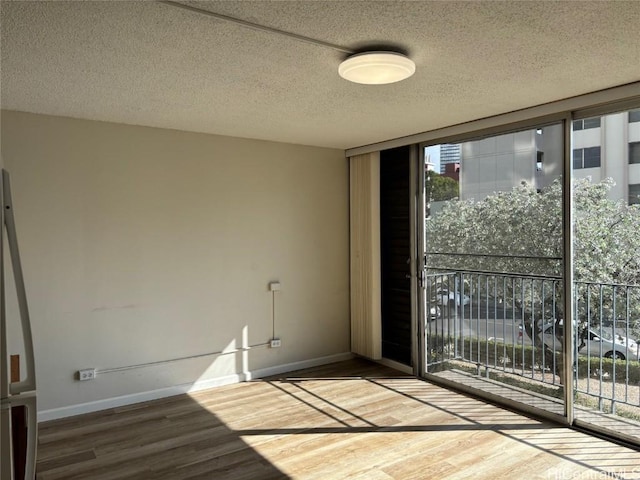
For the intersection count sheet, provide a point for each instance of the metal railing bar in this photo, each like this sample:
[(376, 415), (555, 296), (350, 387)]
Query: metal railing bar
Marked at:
[(461, 330), (491, 272), (492, 255)]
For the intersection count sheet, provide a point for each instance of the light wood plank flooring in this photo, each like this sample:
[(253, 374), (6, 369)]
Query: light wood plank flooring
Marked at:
[(355, 420)]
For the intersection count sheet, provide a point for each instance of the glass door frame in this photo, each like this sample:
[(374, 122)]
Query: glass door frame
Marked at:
[(420, 367), (418, 213), (567, 274)]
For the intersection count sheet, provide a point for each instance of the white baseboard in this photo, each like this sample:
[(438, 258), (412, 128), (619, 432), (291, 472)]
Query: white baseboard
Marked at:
[(290, 367), (114, 402)]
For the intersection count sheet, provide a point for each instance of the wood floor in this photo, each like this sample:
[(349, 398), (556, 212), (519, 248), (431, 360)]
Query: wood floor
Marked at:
[(354, 420)]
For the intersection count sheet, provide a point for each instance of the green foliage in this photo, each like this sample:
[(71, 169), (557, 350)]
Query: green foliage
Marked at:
[(610, 369), (520, 232), (507, 226), (496, 354), (440, 188), (606, 236)]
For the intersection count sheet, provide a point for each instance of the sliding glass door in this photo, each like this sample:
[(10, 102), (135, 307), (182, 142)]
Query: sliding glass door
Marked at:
[(606, 245), (529, 236), (493, 257)]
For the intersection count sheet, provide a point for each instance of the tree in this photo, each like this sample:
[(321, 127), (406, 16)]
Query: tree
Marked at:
[(520, 232), (606, 238), (440, 187)]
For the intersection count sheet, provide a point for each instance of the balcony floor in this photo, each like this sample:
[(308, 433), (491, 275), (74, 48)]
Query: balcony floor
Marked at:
[(354, 419), (627, 429)]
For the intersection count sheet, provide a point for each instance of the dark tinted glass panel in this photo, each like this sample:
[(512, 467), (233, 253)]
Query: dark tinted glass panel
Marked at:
[(577, 158), (634, 116), (634, 194), (592, 123), (634, 152), (577, 125), (592, 157)]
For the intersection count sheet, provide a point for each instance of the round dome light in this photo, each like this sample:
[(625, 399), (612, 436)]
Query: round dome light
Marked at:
[(376, 68)]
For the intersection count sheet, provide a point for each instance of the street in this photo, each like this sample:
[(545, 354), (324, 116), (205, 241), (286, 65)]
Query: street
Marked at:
[(498, 329)]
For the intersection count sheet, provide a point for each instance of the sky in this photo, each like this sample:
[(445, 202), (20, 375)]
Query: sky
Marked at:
[(432, 155)]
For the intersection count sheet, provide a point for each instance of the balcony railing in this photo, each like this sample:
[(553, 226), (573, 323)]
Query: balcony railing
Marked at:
[(512, 326)]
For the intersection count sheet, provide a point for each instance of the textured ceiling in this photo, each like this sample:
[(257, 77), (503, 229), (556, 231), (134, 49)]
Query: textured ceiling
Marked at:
[(148, 63)]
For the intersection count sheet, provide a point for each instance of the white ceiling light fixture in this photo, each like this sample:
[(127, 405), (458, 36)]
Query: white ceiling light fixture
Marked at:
[(377, 68)]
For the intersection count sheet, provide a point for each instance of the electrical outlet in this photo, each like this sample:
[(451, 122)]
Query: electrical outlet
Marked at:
[(276, 343), (86, 374)]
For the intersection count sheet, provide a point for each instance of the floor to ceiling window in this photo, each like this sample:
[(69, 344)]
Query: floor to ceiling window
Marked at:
[(606, 261), (496, 231), (524, 259), (493, 285)]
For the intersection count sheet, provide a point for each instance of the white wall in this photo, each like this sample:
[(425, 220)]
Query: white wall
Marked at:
[(614, 136), (591, 137), (615, 148), (142, 245), (497, 164), (634, 132)]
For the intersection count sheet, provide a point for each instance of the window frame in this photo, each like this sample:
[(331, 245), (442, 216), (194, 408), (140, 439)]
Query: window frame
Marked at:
[(583, 157), (586, 124), (633, 193), (634, 153)]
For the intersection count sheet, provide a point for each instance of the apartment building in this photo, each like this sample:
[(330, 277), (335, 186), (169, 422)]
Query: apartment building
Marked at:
[(609, 147), (603, 147)]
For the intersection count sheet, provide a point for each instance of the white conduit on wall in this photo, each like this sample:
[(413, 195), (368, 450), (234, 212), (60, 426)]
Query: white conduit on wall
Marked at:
[(178, 359), (364, 188)]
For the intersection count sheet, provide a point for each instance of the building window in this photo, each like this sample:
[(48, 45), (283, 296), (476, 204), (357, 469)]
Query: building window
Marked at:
[(634, 116), (539, 160), (586, 157), (586, 123), (634, 194), (634, 152)]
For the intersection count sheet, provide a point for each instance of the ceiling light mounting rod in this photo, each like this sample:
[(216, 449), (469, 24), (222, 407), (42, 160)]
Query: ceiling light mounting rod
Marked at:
[(257, 26)]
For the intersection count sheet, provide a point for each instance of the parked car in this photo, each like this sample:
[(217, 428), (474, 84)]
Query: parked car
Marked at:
[(434, 312), (596, 342), (444, 296)]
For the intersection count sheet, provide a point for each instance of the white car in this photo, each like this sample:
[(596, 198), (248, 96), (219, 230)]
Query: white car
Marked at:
[(599, 342), (444, 296)]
